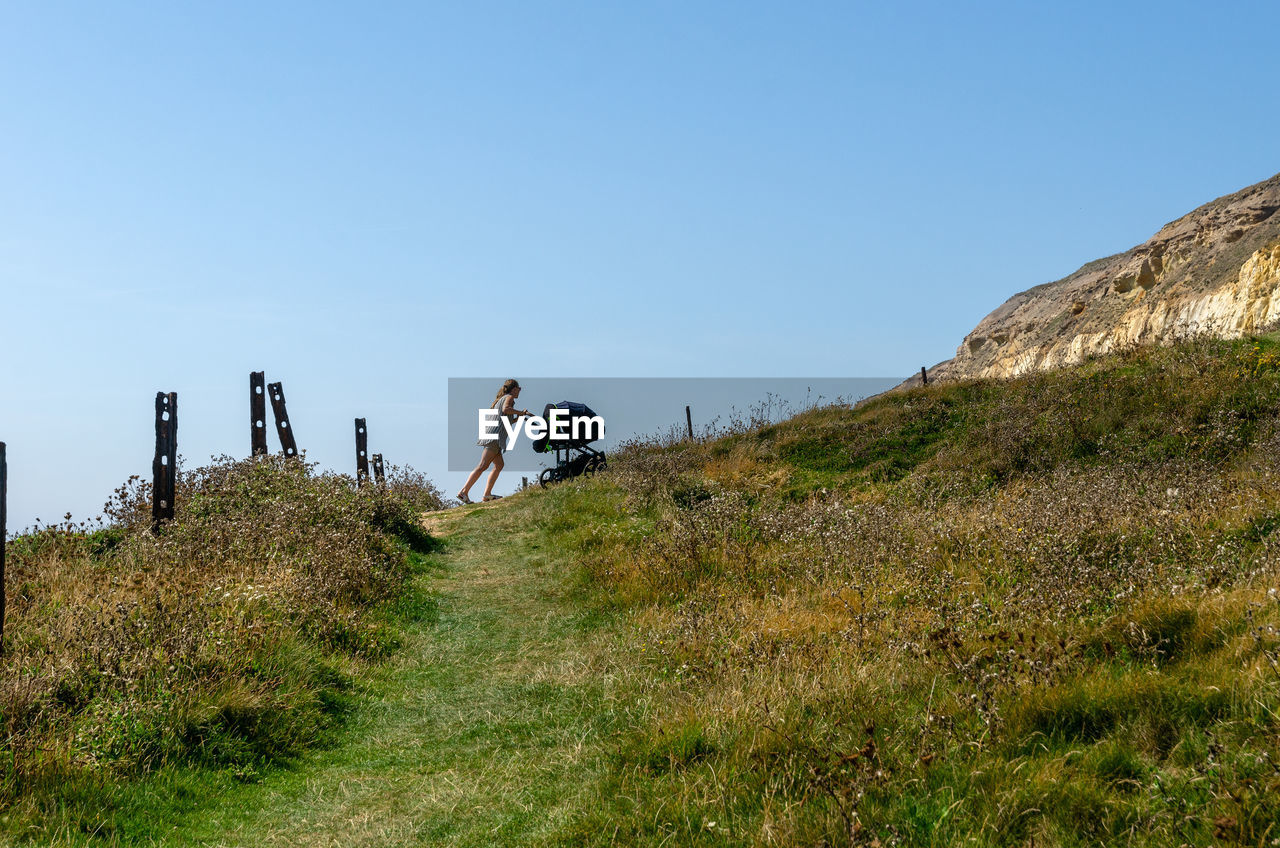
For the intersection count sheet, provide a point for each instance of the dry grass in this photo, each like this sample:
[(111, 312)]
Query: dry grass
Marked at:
[(228, 639), (1036, 612)]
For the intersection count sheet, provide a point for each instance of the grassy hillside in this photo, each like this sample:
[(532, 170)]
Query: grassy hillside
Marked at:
[(1041, 612), (231, 641), (1036, 612)]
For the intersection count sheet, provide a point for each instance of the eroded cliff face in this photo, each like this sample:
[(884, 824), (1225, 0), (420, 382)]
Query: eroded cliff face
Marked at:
[(1216, 270)]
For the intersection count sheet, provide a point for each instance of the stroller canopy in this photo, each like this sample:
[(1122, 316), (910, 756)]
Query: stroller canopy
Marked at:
[(586, 432)]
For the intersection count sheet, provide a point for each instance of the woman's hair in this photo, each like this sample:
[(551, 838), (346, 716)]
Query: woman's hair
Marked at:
[(507, 387)]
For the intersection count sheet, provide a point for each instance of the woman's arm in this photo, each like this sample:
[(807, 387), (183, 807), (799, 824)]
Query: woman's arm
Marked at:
[(509, 408)]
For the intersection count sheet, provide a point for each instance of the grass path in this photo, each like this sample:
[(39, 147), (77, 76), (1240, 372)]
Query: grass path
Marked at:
[(489, 727)]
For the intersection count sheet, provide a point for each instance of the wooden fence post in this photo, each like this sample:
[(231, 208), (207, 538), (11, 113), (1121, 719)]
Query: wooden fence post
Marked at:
[(257, 413), (379, 472), (163, 470), (688, 419), (283, 430), (4, 532), (924, 376), (362, 452)]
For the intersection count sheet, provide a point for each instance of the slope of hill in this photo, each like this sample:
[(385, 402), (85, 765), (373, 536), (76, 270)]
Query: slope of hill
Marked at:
[(228, 642), (1038, 611), (1215, 271)]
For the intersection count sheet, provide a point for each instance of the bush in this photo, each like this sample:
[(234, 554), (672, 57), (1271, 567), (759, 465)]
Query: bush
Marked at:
[(227, 639)]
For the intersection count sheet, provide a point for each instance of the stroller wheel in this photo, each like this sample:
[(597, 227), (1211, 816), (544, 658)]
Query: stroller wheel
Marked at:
[(547, 476)]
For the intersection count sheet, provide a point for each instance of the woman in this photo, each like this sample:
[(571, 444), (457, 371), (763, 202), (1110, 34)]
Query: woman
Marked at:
[(505, 403)]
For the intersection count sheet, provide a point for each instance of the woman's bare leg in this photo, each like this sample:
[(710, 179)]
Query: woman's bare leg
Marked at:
[(485, 459), (493, 475)]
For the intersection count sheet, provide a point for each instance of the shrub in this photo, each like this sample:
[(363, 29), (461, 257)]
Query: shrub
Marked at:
[(1002, 612), (226, 639)]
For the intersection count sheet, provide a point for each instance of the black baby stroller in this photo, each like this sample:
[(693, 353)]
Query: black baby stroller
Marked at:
[(574, 456)]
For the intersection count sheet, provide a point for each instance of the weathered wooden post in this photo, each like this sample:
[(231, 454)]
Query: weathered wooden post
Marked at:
[(283, 430), (163, 470), (4, 532), (379, 473), (924, 376), (362, 452), (257, 413), (524, 483), (688, 419)]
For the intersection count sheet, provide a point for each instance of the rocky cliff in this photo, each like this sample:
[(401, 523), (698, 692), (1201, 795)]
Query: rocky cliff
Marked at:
[(1216, 270)]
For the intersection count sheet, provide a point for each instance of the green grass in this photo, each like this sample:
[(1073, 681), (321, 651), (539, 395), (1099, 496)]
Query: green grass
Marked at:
[(1070, 572), (237, 744), (1204, 398), (1033, 612), (489, 726)]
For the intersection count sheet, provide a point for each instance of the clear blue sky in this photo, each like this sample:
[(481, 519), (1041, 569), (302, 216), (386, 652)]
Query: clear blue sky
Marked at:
[(366, 199)]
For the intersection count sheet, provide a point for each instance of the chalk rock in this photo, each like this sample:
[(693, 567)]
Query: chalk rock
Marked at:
[(1215, 270)]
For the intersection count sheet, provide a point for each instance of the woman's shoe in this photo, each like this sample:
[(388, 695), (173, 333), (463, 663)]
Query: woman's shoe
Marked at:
[(492, 497), (464, 497)]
